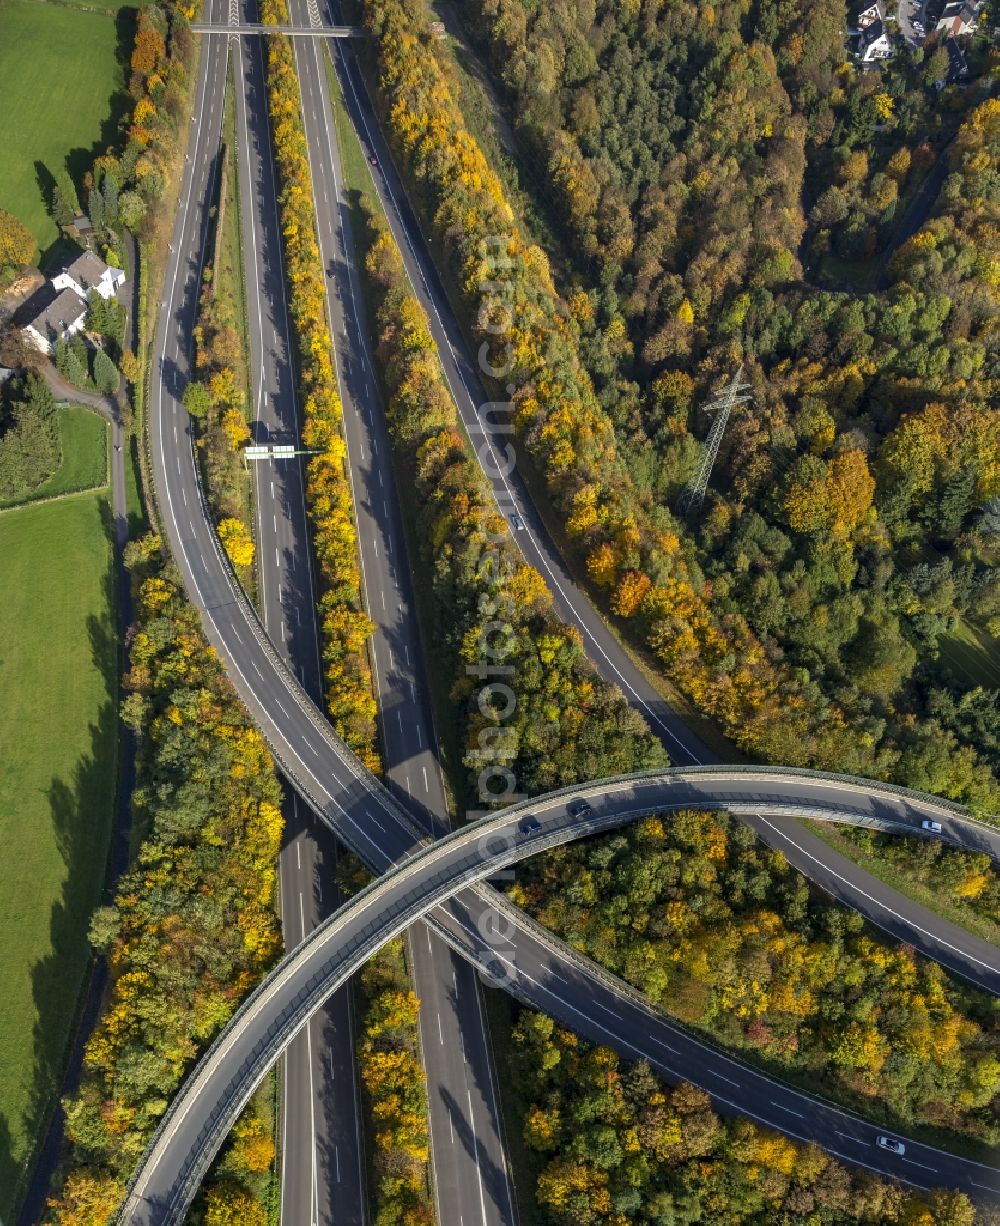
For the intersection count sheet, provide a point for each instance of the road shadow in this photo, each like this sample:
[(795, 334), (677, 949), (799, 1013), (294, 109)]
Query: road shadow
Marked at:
[(493, 1176), (338, 1137)]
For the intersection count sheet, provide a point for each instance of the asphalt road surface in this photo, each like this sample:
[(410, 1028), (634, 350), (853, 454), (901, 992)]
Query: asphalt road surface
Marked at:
[(322, 1172), (365, 817), (321, 1153), (207, 1106), (949, 944)]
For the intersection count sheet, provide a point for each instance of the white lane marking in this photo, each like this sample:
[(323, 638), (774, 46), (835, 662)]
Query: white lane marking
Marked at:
[(475, 1144), (475, 426), (336, 1154), (308, 746), (382, 594), (314, 1200), (277, 556), (388, 648), (881, 905), (741, 1108), (440, 1032), (420, 737), (185, 493), (399, 720), (424, 769), (658, 1042), (923, 1165), (847, 1137), (782, 1107), (298, 852), (168, 305), (375, 545)]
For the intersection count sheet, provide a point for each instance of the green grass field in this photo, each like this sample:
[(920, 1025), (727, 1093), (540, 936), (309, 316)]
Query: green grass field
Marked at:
[(60, 97), (84, 464), (58, 730), (972, 654)]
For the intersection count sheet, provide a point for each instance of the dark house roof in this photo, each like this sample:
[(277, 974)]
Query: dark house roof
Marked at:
[(86, 270), (872, 33), (958, 69), (63, 311)]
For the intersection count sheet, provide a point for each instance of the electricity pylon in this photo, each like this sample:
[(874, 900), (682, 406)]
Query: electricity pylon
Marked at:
[(737, 392)]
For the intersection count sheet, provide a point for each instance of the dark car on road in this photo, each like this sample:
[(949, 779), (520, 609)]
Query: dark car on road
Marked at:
[(529, 824), (580, 808)]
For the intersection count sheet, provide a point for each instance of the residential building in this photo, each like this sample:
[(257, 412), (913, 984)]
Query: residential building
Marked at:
[(89, 272), (63, 317), (874, 44), (958, 69), (958, 18)]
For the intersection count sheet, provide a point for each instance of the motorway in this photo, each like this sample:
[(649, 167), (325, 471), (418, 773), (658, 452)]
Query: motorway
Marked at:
[(462, 1093), (365, 815), (947, 943), (321, 1151), (202, 1113), (323, 1173), (471, 1180)]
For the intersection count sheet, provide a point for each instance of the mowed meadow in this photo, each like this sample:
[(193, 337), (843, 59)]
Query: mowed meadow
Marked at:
[(58, 769), (62, 94)]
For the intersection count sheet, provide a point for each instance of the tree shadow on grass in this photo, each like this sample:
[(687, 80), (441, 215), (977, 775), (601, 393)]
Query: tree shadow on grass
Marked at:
[(8, 1167), (81, 159), (68, 985)]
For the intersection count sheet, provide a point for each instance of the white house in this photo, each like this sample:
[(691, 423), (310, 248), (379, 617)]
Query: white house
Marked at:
[(959, 18), (874, 43), (89, 272), (870, 15), (64, 316)]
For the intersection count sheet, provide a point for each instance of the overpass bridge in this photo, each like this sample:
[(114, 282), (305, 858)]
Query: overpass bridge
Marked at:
[(430, 873), (250, 27)]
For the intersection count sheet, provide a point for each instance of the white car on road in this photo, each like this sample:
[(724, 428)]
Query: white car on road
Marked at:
[(892, 1145)]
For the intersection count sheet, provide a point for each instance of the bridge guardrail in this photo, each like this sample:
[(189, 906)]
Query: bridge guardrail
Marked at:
[(319, 985)]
